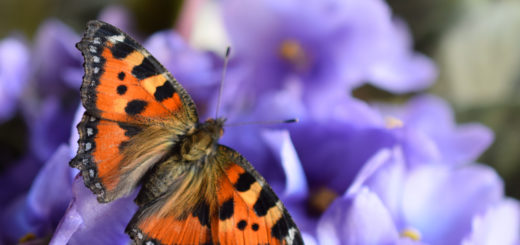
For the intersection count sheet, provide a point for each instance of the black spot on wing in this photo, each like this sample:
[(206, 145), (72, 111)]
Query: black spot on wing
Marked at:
[(121, 89), (202, 212), (265, 201), (121, 76), (135, 107), (255, 227), (164, 91), (130, 130), (145, 69), (242, 225), (244, 182), (281, 228), (227, 209), (120, 50)]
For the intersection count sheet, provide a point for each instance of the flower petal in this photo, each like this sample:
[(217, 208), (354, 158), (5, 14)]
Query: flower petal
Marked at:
[(358, 219), (280, 143), (500, 224), (14, 67), (440, 201), (101, 223)]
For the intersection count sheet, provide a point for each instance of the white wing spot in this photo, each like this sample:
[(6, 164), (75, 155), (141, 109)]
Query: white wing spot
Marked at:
[(88, 146), (92, 49), (98, 185), (95, 59), (85, 161), (118, 38), (150, 243), (139, 235), (291, 234), (91, 173), (92, 119), (96, 70), (90, 131), (97, 40)]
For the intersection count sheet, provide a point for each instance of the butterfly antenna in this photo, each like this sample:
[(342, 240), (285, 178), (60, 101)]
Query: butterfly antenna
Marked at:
[(226, 60), (293, 120)]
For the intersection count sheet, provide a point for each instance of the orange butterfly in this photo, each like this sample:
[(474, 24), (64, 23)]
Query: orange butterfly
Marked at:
[(141, 127)]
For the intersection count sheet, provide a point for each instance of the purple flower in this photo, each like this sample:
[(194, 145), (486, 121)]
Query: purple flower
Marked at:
[(14, 70), (57, 62), (38, 211), (329, 44), (426, 127), (335, 139), (118, 16), (434, 204), (87, 221), (51, 106), (46, 126), (498, 225)]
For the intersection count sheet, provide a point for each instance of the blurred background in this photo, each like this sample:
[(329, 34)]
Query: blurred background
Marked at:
[(475, 43)]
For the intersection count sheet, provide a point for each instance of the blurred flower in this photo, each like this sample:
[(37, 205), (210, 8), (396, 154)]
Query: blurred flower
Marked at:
[(14, 71), (46, 126), (53, 98), (331, 45), (498, 225), (35, 214), (55, 40), (427, 129), (119, 16), (17, 179), (335, 139), (86, 221), (432, 204)]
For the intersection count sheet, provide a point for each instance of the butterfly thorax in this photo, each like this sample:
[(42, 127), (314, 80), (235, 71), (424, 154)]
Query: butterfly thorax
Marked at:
[(202, 142)]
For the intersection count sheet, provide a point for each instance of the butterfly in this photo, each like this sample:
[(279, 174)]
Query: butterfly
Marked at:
[(140, 127)]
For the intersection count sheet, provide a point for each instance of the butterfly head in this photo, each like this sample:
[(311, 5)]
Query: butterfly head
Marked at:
[(204, 140), (214, 127)]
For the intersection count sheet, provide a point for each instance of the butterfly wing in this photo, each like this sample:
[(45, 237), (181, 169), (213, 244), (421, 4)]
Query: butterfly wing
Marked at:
[(232, 205), (135, 111), (249, 212)]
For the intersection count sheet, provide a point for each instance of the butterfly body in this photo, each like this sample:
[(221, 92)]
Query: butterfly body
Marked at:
[(141, 127)]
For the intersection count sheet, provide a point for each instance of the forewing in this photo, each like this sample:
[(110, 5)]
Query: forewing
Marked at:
[(135, 111), (123, 82)]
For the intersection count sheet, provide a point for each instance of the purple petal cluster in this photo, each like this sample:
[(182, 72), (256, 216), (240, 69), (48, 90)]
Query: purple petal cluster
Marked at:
[(327, 44), (349, 172), (427, 204)]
